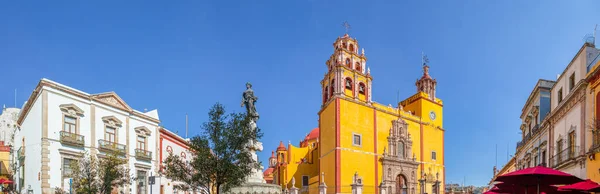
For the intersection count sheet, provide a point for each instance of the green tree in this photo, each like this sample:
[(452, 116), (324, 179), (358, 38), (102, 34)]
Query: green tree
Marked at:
[(218, 159), (99, 176)]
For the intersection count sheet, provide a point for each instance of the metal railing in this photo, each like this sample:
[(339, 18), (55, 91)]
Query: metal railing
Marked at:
[(595, 147), (534, 130), (108, 146), (143, 154), (565, 155), (72, 139)]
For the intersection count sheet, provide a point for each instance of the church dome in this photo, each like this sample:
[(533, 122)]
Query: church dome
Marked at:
[(314, 134)]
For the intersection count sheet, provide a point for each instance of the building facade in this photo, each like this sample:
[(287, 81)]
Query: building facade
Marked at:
[(58, 124), (400, 149), (8, 125), (533, 150), (510, 166), (593, 118), (171, 143), (568, 128)]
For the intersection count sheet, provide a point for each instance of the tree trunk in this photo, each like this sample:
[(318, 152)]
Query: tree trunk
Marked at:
[(218, 188)]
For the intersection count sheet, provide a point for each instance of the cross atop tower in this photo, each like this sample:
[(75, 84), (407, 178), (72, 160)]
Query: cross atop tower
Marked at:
[(347, 26)]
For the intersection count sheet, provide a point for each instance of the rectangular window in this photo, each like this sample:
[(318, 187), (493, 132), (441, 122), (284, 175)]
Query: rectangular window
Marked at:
[(571, 144), (433, 155), (572, 81), (560, 95), (70, 124), (543, 157), (109, 134), (141, 180), (67, 169), (357, 140), (535, 160), (141, 143), (305, 181)]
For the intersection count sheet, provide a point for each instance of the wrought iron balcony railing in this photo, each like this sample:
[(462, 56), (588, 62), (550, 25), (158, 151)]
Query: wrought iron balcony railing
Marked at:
[(143, 154), (565, 155), (72, 139), (108, 146), (595, 148), (534, 130)]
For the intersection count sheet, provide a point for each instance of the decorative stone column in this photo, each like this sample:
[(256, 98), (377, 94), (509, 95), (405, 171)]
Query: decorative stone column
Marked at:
[(293, 189), (382, 188), (322, 186), (357, 185)]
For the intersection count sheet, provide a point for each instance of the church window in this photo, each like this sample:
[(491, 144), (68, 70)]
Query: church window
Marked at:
[(401, 149), (361, 88), (331, 87), (358, 67), (433, 155), (344, 45), (351, 48), (325, 95), (348, 83), (348, 64), (356, 140)]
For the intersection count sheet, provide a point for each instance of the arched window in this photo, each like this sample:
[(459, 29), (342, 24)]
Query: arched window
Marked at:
[(344, 45), (348, 64), (362, 89), (325, 93), (358, 67), (351, 48), (349, 83), (401, 153), (331, 87)]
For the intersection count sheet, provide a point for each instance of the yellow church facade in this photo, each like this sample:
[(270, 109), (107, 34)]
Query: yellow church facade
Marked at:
[(395, 149)]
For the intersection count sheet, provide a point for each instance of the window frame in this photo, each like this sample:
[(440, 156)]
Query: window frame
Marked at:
[(73, 127), (144, 142), (305, 184), (572, 81), (114, 134), (560, 95), (354, 135), (433, 155)]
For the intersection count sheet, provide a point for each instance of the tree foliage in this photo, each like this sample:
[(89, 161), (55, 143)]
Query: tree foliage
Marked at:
[(218, 156), (99, 176)]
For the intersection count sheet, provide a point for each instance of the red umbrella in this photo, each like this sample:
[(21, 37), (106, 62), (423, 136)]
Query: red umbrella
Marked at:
[(587, 185), (536, 176), (2, 181), (8, 182), (509, 188)]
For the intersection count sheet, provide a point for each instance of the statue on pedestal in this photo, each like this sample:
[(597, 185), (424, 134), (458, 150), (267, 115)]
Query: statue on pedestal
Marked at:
[(248, 100)]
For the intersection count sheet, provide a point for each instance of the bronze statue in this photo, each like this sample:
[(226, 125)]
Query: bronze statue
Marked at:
[(248, 99)]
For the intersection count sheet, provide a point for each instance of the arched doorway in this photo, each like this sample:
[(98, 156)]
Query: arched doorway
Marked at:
[(401, 185)]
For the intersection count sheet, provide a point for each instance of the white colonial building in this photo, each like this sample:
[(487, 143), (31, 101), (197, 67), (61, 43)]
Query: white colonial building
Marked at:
[(58, 124), (568, 128)]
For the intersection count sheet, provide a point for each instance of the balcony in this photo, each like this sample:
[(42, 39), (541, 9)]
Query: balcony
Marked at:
[(143, 154), (107, 146), (595, 148), (565, 156), (534, 131), (72, 139)]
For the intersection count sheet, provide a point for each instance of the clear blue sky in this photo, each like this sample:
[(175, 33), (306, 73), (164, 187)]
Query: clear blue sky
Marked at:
[(183, 56)]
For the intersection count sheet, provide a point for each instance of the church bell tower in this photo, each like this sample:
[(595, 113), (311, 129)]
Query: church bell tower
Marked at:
[(347, 73)]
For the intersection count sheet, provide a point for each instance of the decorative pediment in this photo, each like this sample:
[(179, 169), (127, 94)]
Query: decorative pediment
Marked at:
[(142, 131), (71, 109), (112, 99), (112, 121)]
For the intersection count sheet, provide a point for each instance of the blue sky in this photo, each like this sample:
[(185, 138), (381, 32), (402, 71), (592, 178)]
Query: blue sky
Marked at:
[(183, 56)]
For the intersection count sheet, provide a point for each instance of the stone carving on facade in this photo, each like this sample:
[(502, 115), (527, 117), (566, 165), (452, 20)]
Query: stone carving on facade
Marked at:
[(112, 121), (401, 168), (112, 99), (71, 110), (577, 97)]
